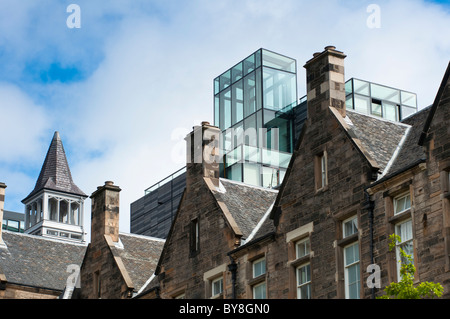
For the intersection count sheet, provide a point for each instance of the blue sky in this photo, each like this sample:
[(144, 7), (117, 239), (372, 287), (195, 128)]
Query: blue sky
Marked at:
[(125, 87)]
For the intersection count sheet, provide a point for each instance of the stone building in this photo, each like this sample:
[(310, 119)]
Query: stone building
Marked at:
[(116, 265), (353, 180)]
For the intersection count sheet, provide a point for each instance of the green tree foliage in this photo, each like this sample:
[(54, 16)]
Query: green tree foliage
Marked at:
[(405, 288)]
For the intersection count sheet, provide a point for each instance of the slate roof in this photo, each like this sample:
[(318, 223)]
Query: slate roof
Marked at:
[(411, 152), (55, 172), (379, 137), (247, 204), (140, 255), (38, 261)]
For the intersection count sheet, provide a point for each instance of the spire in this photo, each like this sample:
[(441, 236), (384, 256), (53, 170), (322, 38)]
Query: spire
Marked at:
[(55, 173)]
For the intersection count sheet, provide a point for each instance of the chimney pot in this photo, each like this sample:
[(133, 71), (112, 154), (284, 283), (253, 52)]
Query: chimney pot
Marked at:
[(109, 183), (205, 123), (330, 47)]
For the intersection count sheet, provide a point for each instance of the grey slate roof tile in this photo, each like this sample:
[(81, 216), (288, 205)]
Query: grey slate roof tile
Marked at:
[(246, 203), (55, 172), (38, 261), (140, 255)]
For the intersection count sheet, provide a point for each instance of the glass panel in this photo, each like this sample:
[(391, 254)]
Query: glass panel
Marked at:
[(277, 61), (216, 85), (361, 87), (362, 104), (259, 267), (270, 176), (225, 80), (238, 134), (407, 111), (259, 291), (225, 108), (251, 154), (279, 89), (303, 247), (217, 286), (13, 225), (235, 172), (350, 226), (237, 102), (409, 99), (402, 203), (250, 133), (390, 111), (249, 94), (385, 93), (236, 72), (249, 64), (217, 112), (349, 102), (348, 87), (251, 174), (376, 108)]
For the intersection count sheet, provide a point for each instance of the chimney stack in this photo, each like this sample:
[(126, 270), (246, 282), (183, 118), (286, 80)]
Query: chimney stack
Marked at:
[(325, 83), (2, 204), (202, 153), (105, 212)]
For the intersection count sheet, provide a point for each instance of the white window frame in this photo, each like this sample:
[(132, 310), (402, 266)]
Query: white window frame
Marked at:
[(349, 266), (398, 199), (354, 224), (409, 238), (260, 285), (256, 262), (215, 294), (306, 283), (306, 246)]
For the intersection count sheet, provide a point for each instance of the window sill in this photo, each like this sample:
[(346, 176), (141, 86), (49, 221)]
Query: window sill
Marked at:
[(400, 217), (302, 260), (348, 240), (257, 280)]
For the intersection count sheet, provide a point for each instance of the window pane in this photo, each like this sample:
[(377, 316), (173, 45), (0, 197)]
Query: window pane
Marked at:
[(376, 108), (361, 87), (237, 102), (249, 94), (348, 87), (277, 61), (279, 89), (236, 72), (259, 267), (216, 85), (350, 226), (390, 111), (362, 104), (217, 286), (259, 291), (225, 80), (385, 93), (302, 248), (402, 203), (409, 99)]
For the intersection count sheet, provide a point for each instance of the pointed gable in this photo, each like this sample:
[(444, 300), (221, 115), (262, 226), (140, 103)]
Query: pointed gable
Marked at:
[(55, 172)]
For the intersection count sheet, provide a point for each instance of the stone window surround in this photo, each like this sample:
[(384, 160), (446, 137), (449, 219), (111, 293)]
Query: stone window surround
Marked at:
[(292, 238), (394, 219), (210, 276)]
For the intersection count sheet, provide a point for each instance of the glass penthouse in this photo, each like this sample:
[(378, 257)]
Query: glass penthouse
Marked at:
[(252, 103), (256, 107)]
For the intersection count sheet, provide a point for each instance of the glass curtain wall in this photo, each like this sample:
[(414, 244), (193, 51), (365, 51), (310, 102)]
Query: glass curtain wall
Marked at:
[(379, 100), (252, 104)]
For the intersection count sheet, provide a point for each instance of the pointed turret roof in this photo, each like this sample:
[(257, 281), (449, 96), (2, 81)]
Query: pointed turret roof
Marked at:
[(55, 172)]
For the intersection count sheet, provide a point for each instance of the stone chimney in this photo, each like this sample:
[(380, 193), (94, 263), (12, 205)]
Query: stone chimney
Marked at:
[(202, 153), (325, 83), (2, 204), (105, 212)]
